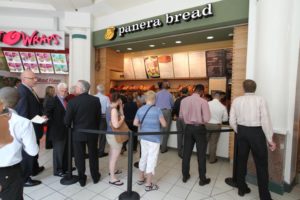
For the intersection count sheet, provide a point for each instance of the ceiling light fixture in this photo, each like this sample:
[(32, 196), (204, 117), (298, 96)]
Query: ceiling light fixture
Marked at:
[(230, 34), (118, 51), (178, 42), (129, 49), (151, 45), (210, 37), (163, 43)]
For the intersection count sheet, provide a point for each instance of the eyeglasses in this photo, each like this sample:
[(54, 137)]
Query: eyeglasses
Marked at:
[(5, 112), (31, 78)]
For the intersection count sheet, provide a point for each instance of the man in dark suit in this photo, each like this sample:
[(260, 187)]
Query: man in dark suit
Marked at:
[(84, 112), (29, 106), (55, 110)]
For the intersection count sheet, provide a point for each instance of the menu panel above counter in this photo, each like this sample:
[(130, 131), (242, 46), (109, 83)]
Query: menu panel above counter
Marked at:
[(181, 65), (197, 64), (139, 68), (215, 63)]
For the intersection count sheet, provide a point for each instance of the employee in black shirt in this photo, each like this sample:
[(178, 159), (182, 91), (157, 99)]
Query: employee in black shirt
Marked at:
[(179, 122)]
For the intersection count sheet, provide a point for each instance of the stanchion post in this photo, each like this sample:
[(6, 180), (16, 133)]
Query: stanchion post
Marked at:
[(69, 179), (232, 180), (129, 194)]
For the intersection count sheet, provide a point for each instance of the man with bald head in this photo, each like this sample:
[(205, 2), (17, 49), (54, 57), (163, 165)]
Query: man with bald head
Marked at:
[(29, 106)]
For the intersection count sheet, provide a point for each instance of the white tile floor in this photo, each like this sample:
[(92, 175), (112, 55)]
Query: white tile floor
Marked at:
[(168, 177)]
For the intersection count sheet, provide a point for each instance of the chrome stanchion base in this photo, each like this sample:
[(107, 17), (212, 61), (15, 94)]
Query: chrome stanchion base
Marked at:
[(229, 181), (69, 180), (129, 196)]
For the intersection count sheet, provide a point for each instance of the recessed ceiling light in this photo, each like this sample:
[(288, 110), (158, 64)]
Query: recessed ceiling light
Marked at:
[(151, 45), (178, 42), (210, 37), (118, 51), (163, 43), (230, 34), (129, 49)]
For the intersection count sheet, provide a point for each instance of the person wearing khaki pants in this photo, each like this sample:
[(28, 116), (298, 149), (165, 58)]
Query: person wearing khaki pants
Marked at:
[(213, 138), (219, 114)]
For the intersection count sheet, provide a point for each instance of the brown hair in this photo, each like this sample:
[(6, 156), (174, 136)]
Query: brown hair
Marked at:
[(115, 97), (249, 86)]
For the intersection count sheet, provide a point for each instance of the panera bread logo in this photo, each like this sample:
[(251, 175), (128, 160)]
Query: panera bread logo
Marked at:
[(112, 32)]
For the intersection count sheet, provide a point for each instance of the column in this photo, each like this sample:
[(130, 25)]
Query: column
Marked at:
[(273, 51), (81, 65)]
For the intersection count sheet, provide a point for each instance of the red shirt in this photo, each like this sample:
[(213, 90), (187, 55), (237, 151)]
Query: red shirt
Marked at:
[(194, 110)]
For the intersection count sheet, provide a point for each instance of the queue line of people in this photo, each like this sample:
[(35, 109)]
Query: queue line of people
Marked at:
[(195, 113)]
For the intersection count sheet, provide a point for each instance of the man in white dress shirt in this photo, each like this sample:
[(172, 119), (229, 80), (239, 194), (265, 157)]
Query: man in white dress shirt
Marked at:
[(105, 103), (249, 117), (22, 131), (219, 114)]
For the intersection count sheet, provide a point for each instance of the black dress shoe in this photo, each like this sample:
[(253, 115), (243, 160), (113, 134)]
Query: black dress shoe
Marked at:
[(96, 180), (30, 182), (164, 151), (39, 170), (101, 155), (204, 181), (243, 192), (186, 178), (60, 174), (136, 164), (82, 181)]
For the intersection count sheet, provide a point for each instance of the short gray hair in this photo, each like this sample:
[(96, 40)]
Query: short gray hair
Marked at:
[(100, 88), (9, 96), (62, 85), (84, 86)]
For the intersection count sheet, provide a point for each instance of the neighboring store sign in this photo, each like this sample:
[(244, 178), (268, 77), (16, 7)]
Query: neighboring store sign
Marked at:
[(112, 32), (32, 39)]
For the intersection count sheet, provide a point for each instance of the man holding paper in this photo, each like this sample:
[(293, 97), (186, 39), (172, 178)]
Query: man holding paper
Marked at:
[(29, 106)]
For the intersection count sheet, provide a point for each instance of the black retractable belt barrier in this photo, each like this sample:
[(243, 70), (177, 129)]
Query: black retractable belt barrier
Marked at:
[(232, 180), (69, 179), (129, 194)]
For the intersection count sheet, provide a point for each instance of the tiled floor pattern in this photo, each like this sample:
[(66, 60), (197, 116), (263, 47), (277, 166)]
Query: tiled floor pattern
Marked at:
[(168, 177)]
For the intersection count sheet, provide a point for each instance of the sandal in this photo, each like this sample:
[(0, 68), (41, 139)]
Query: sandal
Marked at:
[(117, 172), (140, 182), (151, 187), (117, 183)]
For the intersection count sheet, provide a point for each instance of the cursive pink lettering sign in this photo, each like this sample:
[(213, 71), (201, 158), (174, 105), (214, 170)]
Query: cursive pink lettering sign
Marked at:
[(14, 37)]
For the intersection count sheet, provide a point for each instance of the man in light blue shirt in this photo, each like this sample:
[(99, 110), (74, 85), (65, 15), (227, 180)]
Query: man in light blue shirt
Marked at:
[(105, 103), (164, 101)]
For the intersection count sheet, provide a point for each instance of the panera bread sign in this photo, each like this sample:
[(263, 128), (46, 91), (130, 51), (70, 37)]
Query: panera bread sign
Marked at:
[(113, 32), (32, 39)]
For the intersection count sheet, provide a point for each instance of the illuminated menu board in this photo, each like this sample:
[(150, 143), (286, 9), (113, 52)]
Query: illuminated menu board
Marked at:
[(151, 66), (165, 66), (13, 61), (45, 63), (60, 63), (197, 64), (29, 61), (215, 63)]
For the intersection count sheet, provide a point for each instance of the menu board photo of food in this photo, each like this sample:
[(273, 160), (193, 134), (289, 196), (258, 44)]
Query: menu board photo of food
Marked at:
[(60, 63), (165, 66), (13, 61), (29, 61), (45, 63), (151, 66)]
